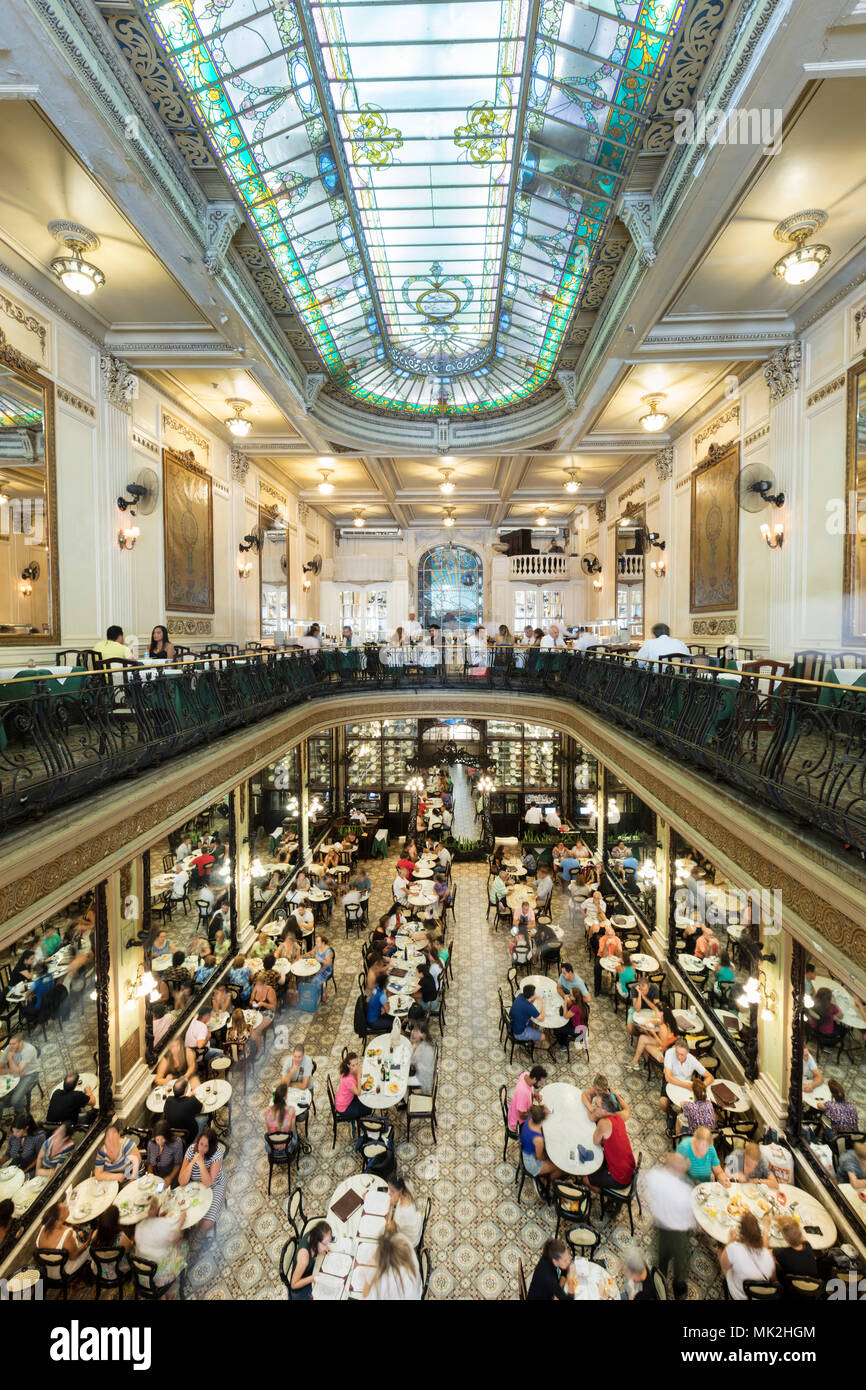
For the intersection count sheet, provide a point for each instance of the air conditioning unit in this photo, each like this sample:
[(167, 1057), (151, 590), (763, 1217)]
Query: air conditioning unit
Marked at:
[(376, 533)]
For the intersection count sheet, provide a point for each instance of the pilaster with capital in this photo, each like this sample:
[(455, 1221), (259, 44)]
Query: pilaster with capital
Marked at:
[(782, 372)]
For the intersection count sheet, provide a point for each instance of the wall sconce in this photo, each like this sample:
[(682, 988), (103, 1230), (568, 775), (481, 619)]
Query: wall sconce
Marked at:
[(314, 808), (250, 542), (244, 567), (774, 535), (305, 584), (29, 574), (415, 784), (598, 583), (144, 985), (659, 567), (127, 536)]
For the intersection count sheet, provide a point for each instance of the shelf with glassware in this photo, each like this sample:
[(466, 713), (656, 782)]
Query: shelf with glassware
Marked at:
[(275, 793), (320, 775)]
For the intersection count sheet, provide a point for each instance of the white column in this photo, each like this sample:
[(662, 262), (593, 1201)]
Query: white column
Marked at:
[(783, 375), (116, 567)]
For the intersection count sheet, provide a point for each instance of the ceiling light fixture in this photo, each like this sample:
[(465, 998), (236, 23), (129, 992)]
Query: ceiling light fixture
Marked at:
[(804, 262), (655, 419), (358, 516), (572, 482), (72, 270), (236, 423), (325, 487), (448, 516), (446, 484), (541, 519)]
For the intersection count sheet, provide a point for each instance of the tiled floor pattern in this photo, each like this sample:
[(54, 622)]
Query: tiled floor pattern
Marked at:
[(477, 1232)]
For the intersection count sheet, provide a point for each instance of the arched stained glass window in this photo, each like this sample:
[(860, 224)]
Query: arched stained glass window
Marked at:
[(450, 588)]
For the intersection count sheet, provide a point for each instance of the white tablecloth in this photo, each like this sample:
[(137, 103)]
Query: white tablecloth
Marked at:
[(569, 1125)]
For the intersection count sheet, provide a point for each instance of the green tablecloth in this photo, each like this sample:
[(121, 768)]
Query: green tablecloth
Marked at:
[(831, 699)]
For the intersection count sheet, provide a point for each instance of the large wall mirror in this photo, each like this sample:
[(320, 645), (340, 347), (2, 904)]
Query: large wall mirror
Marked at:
[(273, 572), (29, 607), (630, 583), (855, 488)]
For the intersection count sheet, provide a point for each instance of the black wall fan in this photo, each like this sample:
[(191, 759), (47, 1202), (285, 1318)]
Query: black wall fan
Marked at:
[(756, 488)]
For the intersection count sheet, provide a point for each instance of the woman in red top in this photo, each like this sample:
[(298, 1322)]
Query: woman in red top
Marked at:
[(619, 1161)]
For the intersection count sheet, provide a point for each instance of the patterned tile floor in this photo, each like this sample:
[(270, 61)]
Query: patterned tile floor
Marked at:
[(477, 1232)]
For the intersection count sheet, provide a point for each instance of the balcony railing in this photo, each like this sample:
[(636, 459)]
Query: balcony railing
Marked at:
[(795, 746), (629, 566), (537, 568)]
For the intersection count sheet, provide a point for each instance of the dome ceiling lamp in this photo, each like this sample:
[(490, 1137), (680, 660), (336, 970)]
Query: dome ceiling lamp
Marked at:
[(326, 487), (358, 518), (542, 519), (448, 516), (446, 486), (655, 419), (803, 263), (239, 427), (75, 273), (572, 482)]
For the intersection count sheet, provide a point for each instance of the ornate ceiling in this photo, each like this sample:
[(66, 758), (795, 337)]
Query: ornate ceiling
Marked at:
[(433, 186)]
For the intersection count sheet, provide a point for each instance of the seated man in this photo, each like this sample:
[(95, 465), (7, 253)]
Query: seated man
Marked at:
[(680, 1066), (569, 981), (523, 1011), (21, 1062), (378, 1012), (68, 1101), (198, 1038), (852, 1167), (569, 865), (543, 888)]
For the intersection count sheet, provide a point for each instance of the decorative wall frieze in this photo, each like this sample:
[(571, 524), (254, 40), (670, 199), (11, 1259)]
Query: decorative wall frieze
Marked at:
[(755, 436), (638, 214), (592, 538), (186, 431), (685, 481), (13, 356), (692, 50), (222, 220), (144, 441), (823, 392), (265, 490), (651, 501), (664, 462), (190, 627), (119, 382), (601, 509), (782, 371), (629, 492), (601, 276), (714, 627), (29, 321), (220, 489), (76, 402), (251, 502), (727, 416)]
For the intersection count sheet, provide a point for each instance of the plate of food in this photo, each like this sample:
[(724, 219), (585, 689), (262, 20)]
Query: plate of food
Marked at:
[(367, 1083), (392, 1088)]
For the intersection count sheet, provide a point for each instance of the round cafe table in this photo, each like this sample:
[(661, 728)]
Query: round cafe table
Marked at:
[(11, 1178), (26, 1195), (305, 967), (856, 1200), (687, 1020), (820, 1093), (380, 1050), (611, 964), (594, 1282), (645, 1018), (86, 1079), (218, 1019), (420, 871), (742, 1103), (568, 1129), (545, 989), (711, 1203), (516, 897), (90, 1199), (8, 1083), (212, 1094), (691, 964), (361, 1183), (644, 964), (193, 1200)]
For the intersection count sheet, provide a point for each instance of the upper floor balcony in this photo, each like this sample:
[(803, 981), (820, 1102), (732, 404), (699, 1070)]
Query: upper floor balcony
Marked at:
[(539, 569)]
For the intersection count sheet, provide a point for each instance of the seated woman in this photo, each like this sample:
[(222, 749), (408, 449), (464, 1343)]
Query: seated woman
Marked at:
[(160, 1238), (382, 938), (697, 1112), (240, 975), (58, 1147), (747, 1165), (56, 1235), (576, 1006), (204, 972), (164, 1153), (657, 1042), (25, 1141), (546, 941), (404, 1216), (238, 1030), (264, 999), (520, 947), (747, 1256), (840, 1115), (289, 949), (626, 975), (262, 946), (162, 945), (221, 999), (331, 860), (821, 1018), (160, 647), (280, 1116), (796, 1256), (303, 883), (325, 957), (347, 1100), (724, 975), (699, 1152), (534, 1154), (117, 1157), (110, 1235), (176, 1061), (315, 1242), (221, 944), (203, 1162), (396, 1277)]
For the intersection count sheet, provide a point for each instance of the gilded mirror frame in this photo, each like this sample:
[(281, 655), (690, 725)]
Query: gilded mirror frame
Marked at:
[(855, 498)]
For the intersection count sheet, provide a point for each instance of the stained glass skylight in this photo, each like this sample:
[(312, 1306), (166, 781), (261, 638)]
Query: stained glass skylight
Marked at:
[(431, 180)]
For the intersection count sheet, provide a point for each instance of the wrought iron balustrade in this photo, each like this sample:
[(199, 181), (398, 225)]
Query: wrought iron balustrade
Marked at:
[(796, 746)]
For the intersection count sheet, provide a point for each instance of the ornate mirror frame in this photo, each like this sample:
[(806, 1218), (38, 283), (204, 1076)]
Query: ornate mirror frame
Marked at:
[(854, 632)]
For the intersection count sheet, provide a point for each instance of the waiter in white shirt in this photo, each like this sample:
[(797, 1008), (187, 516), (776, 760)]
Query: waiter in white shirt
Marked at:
[(552, 638), (533, 816), (583, 640), (661, 644), (413, 628), (551, 815)]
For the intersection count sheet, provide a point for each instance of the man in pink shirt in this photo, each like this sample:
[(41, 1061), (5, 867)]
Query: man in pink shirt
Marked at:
[(525, 1094)]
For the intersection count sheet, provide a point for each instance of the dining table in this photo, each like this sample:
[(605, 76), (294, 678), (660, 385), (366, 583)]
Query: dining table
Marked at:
[(718, 1210), (545, 992), (306, 967), (856, 1200), (643, 964), (26, 1195), (212, 1094), (739, 1106), (193, 1200), (87, 1080), (385, 1058), (11, 1178), (90, 1199), (568, 1130), (846, 680), (593, 1283), (356, 1216)]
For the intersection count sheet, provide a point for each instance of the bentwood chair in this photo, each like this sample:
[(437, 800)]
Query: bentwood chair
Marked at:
[(509, 1132), (287, 1264), (336, 1117), (107, 1274), (804, 1286), (422, 1109), (572, 1204), (624, 1196), (144, 1279), (424, 1270), (757, 1291), (282, 1154), (659, 1284), (52, 1266), (521, 1283)]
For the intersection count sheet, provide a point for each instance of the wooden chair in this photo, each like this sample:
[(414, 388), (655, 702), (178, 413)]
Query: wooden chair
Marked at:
[(287, 1264), (509, 1132), (522, 1292), (804, 1285), (143, 1278), (572, 1204), (53, 1268), (422, 1109), (659, 1284), (282, 1154), (106, 1274), (424, 1270), (759, 1291), (624, 1196), (336, 1117)]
